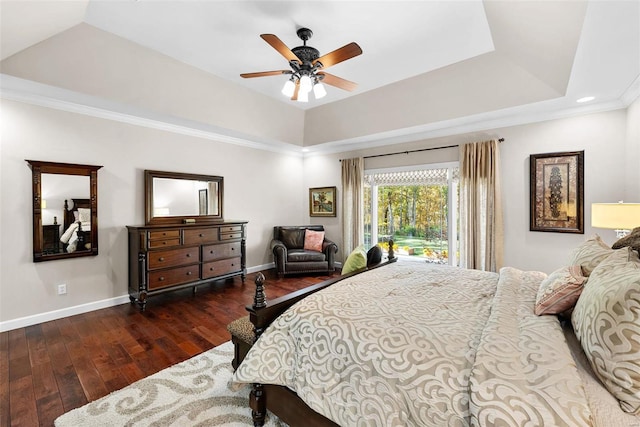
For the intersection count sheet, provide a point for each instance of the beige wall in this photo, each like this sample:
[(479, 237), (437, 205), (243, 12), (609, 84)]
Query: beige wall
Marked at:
[(632, 154), (258, 188), (603, 138), (262, 187)]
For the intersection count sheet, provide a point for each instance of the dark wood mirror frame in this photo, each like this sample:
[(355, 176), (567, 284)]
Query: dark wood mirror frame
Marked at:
[(38, 168), (151, 219)]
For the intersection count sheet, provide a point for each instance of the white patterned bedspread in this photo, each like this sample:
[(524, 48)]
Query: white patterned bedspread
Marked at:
[(423, 345)]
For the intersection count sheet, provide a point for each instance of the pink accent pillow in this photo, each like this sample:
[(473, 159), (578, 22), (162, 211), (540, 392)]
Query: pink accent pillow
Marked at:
[(560, 290), (313, 240)]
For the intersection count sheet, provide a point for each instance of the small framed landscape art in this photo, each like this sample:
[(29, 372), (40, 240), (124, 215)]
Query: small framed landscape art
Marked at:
[(557, 191), (322, 201)]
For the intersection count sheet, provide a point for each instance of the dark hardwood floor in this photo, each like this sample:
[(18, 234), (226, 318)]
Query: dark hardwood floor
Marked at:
[(50, 368)]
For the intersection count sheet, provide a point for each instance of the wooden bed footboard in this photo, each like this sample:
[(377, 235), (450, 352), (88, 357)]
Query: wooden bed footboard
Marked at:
[(283, 402)]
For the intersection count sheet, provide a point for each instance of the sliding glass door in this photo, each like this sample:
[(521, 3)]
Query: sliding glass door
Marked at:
[(417, 208)]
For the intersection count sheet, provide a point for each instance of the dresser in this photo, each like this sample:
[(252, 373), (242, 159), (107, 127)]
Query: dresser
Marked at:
[(50, 239), (164, 258)]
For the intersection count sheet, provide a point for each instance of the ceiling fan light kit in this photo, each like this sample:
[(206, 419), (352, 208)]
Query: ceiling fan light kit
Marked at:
[(306, 63)]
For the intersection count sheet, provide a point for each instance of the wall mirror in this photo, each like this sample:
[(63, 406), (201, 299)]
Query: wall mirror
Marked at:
[(65, 210), (177, 198)]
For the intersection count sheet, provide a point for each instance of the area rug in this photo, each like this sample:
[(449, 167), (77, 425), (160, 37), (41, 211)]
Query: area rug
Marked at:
[(193, 393)]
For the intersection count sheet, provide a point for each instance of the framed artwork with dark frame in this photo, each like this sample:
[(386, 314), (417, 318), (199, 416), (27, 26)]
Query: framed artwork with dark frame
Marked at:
[(322, 201), (557, 192), (203, 201)]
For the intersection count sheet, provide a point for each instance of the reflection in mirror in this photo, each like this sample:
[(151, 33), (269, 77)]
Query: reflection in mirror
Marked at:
[(64, 210), (64, 229), (173, 198), (180, 197)]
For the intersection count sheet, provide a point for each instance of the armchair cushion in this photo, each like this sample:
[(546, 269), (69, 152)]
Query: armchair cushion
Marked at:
[(313, 240), (292, 238)]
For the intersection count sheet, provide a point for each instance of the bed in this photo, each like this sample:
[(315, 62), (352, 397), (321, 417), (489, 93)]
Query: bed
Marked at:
[(77, 225), (418, 344)]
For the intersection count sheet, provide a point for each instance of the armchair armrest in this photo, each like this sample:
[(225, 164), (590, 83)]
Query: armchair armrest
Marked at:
[(330, 250), (279, 254)]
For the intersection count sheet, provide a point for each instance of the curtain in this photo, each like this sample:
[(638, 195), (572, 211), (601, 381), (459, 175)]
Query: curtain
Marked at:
[(352, 204), (481, 235)]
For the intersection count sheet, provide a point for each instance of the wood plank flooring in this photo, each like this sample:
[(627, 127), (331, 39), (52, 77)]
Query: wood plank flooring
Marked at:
[(50, 368)]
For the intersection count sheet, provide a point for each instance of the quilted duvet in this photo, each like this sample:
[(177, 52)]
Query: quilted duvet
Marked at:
[(423, 345)]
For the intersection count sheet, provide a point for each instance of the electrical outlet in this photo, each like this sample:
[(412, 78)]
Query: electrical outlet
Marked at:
[(62, 289)]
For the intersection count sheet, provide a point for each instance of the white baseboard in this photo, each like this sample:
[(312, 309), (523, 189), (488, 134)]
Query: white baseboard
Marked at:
[(23, 322)]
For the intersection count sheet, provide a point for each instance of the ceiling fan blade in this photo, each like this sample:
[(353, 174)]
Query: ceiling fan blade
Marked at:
[(295, 92), (278, 45), (339, 55), (265, 73), (338, 82)]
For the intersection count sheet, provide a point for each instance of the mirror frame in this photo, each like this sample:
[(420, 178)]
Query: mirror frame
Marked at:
[(149, 175), (37, 169)]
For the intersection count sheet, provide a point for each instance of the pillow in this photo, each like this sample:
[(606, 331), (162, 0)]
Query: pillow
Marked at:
[(589, 254), (559, 291), (374, 255), (606, 320), (632, 240), (355, 261), (84, 215), (76, 216), (313, 240)]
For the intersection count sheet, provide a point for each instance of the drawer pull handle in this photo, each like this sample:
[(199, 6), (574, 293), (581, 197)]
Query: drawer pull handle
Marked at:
[(164, 243), (211, 269), (201, 235), (188, 273), (161, 259), (188, 255), (161, 279), (211, 252), (233, 249)]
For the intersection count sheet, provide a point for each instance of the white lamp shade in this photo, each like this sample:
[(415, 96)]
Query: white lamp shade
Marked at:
[(288, 88), (305, 84), (319, 91), (616, 216)]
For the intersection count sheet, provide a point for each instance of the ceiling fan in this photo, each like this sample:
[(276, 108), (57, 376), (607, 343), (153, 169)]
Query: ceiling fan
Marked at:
[(306, 65)]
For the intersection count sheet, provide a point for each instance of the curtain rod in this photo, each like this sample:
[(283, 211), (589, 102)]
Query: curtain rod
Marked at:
[(416, 151)]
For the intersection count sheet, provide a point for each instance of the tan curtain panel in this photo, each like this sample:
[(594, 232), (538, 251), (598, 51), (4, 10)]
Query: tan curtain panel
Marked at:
[(481, 235), (352, 204)]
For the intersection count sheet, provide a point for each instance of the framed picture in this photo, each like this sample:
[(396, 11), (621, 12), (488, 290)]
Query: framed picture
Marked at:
[(557, 192), (203, 201), (322, 201)]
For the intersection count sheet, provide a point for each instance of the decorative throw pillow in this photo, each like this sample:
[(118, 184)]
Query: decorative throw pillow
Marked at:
[(632, 240), (589, 254), (374, 255), (84, 215), (559, 291), (606, 320), (355, 261), (313, 240)]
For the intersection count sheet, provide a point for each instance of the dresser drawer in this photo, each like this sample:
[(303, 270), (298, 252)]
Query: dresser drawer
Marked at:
[(165, 243), (164, 235), (173, 257), (230, 228), (173, 276), (231, 236), (200, 235), (223, 266), (223, 250)]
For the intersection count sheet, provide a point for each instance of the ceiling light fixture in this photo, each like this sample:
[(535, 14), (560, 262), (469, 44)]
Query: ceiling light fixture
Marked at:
[(306, 63)]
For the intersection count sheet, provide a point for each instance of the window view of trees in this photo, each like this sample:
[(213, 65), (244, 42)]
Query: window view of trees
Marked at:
[(416, 217)]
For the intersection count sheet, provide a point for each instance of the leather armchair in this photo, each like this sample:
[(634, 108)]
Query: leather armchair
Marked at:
[(289, 254)]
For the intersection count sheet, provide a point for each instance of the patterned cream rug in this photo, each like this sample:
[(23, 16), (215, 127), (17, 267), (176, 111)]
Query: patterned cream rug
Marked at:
[(193, 393)]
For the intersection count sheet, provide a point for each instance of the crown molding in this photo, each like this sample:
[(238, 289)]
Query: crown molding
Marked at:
[(33, 93)]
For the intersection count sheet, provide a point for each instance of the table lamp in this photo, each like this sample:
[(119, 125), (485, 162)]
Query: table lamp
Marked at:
[(621, 217)]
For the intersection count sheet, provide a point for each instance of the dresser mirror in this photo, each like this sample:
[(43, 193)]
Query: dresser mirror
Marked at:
[(179, 198), (65, 210)]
